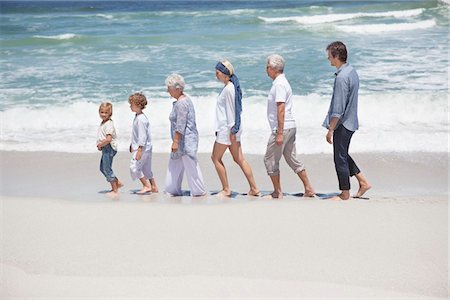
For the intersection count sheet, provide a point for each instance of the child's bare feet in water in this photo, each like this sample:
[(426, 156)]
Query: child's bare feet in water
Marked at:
[(119, 184), (112, 195), (115, 185), (154, 187), (144, 190), (147, 186)]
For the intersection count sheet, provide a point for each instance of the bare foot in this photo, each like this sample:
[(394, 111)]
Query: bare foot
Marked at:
[(112, 195), (309, 193), (154, 187), (254, 192), (204, 194), (224, 193), (340, 197), (119, 184), (144, 190), (363, 188), (274, 195)]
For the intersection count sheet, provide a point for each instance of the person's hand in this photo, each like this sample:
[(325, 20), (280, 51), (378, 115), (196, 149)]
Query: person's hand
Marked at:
[(232, 138), (279, 139), (99, 148), (174, 146), (330, 137), (139, 154)]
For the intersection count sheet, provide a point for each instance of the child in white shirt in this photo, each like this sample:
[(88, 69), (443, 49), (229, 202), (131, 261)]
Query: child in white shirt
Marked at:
[(107, 143), (141, 146)]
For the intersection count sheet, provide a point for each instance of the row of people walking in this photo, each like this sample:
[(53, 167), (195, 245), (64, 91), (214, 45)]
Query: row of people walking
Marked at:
[(341, 122)]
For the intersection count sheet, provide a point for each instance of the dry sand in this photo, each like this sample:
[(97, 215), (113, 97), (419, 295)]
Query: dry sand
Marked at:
[(62, 238)]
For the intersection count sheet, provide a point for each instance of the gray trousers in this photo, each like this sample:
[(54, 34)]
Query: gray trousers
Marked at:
[(274, 152)]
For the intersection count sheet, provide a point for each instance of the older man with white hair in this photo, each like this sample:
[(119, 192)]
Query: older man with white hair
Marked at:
[(283, 127)]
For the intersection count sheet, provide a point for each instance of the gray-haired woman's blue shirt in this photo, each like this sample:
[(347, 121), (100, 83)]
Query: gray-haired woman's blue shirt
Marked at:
[(182, 120), (344, 103)]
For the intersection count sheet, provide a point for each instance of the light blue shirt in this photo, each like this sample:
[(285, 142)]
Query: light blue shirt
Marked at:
[(344, 103), (182, 120)]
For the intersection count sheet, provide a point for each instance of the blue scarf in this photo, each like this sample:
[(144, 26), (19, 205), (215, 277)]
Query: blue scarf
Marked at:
[(237, 97)]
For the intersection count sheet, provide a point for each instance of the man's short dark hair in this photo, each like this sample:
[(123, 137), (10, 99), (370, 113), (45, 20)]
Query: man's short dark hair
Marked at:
[(338, 50)]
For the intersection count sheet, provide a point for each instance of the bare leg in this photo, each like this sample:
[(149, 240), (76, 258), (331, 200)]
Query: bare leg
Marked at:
[(238, 157), (146, 187), (216, 157), (119, 184), (154, 187), (364, 185), (309, 191), (277, 192), (114, 189)]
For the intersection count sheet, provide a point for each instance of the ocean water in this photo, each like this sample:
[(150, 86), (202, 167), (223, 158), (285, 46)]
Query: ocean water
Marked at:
[(59, 60)]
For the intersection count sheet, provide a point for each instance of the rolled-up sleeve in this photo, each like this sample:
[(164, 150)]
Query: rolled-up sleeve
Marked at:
[(143, 135), (339, 101)]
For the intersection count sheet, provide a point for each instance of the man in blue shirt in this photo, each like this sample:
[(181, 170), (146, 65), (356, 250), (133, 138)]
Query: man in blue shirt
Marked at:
[(342, 121)]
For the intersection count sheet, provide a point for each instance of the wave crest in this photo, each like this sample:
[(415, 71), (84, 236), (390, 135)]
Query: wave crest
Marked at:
[(381, 28), (330, 18), (64, 36), (108, 17)]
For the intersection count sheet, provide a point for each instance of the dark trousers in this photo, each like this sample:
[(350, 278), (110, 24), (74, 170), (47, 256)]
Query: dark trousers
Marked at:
[(344, 164)]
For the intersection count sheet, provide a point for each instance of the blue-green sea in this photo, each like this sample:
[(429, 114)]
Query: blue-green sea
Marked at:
[(60, 59)]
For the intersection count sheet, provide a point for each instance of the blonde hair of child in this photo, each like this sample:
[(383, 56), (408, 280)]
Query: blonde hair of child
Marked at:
[(138, 99), (108, 106)]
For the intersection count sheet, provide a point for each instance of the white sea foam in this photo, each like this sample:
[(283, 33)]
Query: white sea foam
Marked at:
[(108, 17), (206, 13), (381, 28), (388, 122), (49, 72), (330, 18), (64, 36), (208, 84)]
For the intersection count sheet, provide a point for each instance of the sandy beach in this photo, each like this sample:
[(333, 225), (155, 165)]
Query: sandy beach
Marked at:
[(63, 238)]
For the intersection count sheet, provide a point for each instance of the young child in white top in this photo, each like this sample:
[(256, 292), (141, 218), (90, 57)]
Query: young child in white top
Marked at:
[(141, 146), (107, 143)]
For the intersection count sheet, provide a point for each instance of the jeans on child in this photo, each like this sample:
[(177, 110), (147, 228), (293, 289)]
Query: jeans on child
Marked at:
[(106, 162)]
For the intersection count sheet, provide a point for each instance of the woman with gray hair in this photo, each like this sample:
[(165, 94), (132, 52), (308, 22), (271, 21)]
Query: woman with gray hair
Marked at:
[(183, 129)]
